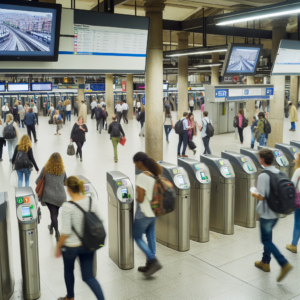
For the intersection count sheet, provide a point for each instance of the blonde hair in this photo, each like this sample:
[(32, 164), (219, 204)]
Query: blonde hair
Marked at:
[(55, 164), (297, 163), (118, 102), (9, 117), (24, 143), (143, 108), (75, 185)]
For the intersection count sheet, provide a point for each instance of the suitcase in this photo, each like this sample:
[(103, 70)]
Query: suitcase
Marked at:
[(192, 145)]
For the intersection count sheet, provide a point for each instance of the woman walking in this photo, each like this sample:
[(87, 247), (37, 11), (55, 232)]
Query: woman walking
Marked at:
[(20, 164), (54, 194), (11, 141), (138, 105), (70, 245), (240, 125), (168, 124), (68, 109), (2, 141), (57, 121), (141, 119), (192, 130), (78, 135), (145, 219)]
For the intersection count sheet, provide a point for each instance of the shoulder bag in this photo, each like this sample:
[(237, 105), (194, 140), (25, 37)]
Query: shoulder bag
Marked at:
[(297, 196), (40, 186)]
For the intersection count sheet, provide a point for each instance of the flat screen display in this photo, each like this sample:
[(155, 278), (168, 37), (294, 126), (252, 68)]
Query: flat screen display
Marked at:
[(227, 172), (241, 59), (29, 31), (181, 180), (124, 193), (26, 212), (197, 167), (250, 168), (165, 86), (203, 176), (17, 87), (41, 86), (2, 87)]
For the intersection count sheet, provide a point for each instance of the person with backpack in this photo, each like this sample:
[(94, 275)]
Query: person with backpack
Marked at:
[(145, 218), (30, 121), (168, 124), (261, 126), (104, 118), (74, 216), (54, 194), (293, 116), (242, 123), (115, 130), (23, 160), (267, 183), (10, 133), (204, 135), (182, 130), (98, 114), (78, 135), (254, 124)]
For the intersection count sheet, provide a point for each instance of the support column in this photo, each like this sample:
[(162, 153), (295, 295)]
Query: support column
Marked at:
[(109, 96), (250, 105), (129, 94), (215, 70), (154, 81), (276, 116), (294, 90), (183, 73), (81, 88)]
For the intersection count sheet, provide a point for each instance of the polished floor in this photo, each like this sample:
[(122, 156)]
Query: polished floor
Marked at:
[(221, 269)]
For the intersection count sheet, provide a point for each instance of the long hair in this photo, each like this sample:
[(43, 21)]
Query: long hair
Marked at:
[(143, 107), (9, 117), (24, 143), (241, 112), (55, 164), (148, 162), (75, 185)]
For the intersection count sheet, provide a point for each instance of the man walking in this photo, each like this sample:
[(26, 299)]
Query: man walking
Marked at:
[(183, 137), (293, 116), (125, 109), (102, 103), (261, 128), (205, 137), (30, 121), (93, 107), (98, 113), (76, 108)]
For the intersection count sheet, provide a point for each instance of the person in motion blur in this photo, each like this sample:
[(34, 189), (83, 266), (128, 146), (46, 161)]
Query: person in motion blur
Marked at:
[(83, 111), (57, 120), (254, 124), (145, 219), (192, 130), (93, 107), (98, 114), (36, 113), (26, 107), (78, 135), (76, 108), (168, 124), (293, 116), (68, 110), (54, 194), (22, 116), (125, 109), (118, 109), (2, 141), (70, 246), (30, 121), (5, 110), (16, 113), (191, 105)]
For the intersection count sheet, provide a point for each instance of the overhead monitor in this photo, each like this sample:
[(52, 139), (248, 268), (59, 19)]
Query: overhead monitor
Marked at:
[(17, 87), (29, 31), (2, 87), (287, 61), (41, 86), (241, 59), (165, 86)]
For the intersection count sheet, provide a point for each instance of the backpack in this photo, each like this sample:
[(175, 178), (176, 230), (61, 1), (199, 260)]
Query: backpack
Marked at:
[(116, 130), (245, 122), (210, 131), (235, 122), (22, 161), (15, 110), (9, 131), (282, 193), (99, 113), (163, 201), (93, 230), (179, 127), (267, 126)]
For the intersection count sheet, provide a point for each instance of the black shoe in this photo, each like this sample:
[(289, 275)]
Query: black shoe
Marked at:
[(57, 235), (144, 269), (153, 267), (50, 229), (35, 141), (1, 159)]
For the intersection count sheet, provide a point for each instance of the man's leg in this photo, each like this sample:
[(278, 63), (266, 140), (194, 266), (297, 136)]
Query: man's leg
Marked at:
[(179, 143), (185, 141), (33, 132), (29, 131), (101, 125)]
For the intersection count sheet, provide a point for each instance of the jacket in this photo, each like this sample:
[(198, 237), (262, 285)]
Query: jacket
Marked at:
[(78, 135), (100, 114), (293, 114), (261, 125), (119, 127), (254, 125), (15, 126), (30, 119)]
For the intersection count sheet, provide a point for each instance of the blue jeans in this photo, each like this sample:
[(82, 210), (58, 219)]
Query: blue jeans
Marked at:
[(262, 139), (86, 258), (206, 145), (293, 125), (11, 144), (20, 173), (296, 233), (266, 227), (183, 138), (252, 140), (168, 128), (147, 226), (68, 115)]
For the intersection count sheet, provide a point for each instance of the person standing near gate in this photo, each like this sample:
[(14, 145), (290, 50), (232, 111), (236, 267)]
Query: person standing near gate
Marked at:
[(30, 121), (191, 105), (93, 107), (205, 137), (125, 109), (293, 116), (76, 108), (35, 111)]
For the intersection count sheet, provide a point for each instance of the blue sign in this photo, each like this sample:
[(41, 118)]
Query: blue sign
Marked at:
[(143, 100), (270, 91), (246, 92), (97, 87), (221, 93)]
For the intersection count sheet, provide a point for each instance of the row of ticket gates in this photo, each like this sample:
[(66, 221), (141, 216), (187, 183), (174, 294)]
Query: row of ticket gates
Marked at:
[(213, 194)]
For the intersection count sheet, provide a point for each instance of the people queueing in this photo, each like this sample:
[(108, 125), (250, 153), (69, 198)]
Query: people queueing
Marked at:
[(30, 122), (78, 135), (205, 137)]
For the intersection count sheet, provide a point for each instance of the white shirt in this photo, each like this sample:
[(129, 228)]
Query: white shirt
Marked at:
[(93, 104), (118, 107), (191, 103), (168, 120), (138, 104), (102, 103), (5, 108), (34, 110), (125, 106), (134, 103), (68, 108), (51, 108)]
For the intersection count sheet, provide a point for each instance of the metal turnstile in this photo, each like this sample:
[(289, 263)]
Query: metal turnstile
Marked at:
[(222, 193), (173, 229), (28, 215), (7, 280), (120, 219), (245, 178), (290, 153), (253, 154), (200, 182)]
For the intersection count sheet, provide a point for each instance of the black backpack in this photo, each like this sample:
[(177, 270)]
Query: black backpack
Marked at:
[(93, 232), (179, 127), (22, 161), (245, 122), (267, 126), (15, 110), (116, 130), (235, 122), (282, 193), (98, 113), (210, 131), (9, 131)]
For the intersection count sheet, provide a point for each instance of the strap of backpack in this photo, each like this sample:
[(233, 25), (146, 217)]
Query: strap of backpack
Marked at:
[(78, 206)]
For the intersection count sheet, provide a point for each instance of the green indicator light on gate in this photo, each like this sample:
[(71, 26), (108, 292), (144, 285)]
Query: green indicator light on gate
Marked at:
[(20, 200), (119, 183)]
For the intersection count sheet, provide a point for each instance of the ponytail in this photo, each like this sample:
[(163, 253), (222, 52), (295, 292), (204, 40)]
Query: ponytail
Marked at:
[(75, 185), (148, 162)]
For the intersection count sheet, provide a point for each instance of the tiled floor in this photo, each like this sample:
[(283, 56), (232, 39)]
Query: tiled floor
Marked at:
[(221, 269)]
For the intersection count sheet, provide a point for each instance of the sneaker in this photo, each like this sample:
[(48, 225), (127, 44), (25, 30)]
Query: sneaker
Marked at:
[(50, 229), (284, 271), (263, 266), (153, 267), (144, 269), (184, 155), (292, 248)]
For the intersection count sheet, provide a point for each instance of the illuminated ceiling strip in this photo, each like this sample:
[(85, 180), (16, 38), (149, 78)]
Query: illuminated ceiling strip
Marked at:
[(197, 52)]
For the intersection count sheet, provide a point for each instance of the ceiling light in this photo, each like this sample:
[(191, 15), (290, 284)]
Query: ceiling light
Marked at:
[(208, 65), (204, 51), (269, 11)]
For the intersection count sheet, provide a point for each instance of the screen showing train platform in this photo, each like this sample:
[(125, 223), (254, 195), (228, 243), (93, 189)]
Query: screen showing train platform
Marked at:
[(41, 87), (26, 212)]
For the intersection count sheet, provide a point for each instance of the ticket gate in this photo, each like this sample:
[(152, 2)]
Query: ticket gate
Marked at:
[(245, 178), (253, 154), (173, 229), (28, 215), (222, 193), (295, 143), (7, 280), (200, 181), (120, 219), (290, 153)]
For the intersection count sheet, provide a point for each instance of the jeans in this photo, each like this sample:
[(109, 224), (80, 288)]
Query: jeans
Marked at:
[(262, 139), (68, 115), (20, 173), (296, 233), (252, 140), (31, 128), (293, 125), (86, 258), (147, 226), (115, 141), (206, 145), (183, 138), (168, 129), (100, 124), (37, 118), (266, 227), (11, 144)]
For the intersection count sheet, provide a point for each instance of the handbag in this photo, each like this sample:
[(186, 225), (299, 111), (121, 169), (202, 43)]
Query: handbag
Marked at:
[(297, 196), (257, 135), (122, 140), (191, 145), (40, 186), (14, 179), (50, 122), (71, 149)]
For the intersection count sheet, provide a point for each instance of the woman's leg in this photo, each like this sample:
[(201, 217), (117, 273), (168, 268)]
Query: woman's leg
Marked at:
[(79, 148), (166, 132), (296, 233), (240, 130), (27, 176), (20, 177), (53, 215), (9, 146), (150, 234)]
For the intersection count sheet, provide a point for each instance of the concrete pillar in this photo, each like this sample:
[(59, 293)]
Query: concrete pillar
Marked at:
[(81, 87), (109, 96), (183, 73), (154, 81), (215, 70), (276, 114), (250, 105), (294, 90), (129, 94)]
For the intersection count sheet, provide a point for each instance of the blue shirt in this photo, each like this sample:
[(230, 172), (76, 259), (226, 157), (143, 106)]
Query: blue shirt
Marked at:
[(185, 123), (254, 125)]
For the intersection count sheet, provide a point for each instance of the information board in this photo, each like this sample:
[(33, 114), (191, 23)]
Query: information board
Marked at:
[(17, 87), (2, 87), (41, 86)]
